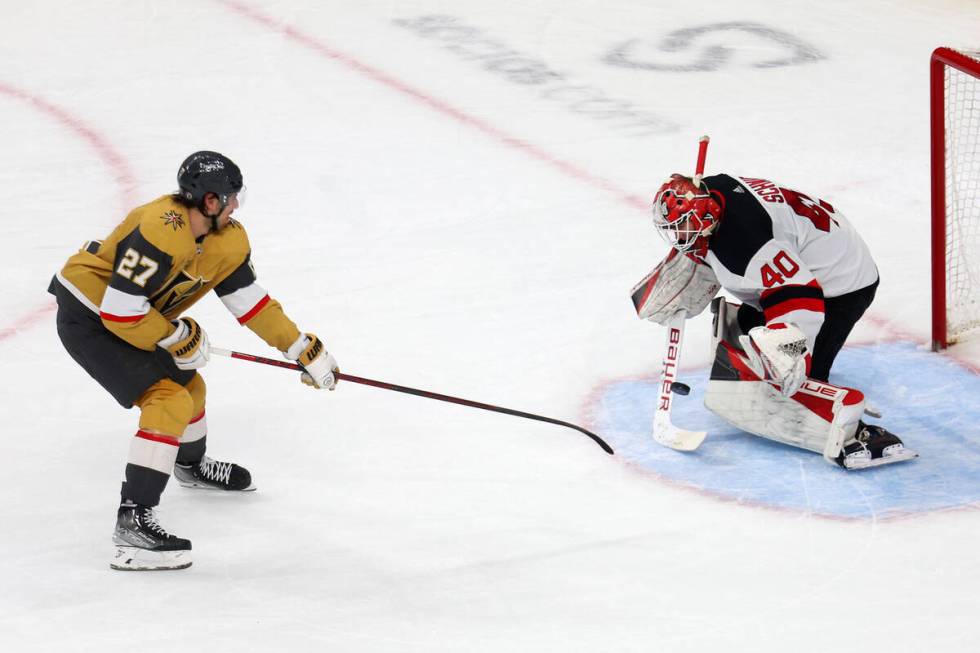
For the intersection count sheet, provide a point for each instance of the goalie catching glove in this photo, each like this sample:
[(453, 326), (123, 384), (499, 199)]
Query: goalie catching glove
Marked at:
[(777, 353), (188, 344), (319, 365)]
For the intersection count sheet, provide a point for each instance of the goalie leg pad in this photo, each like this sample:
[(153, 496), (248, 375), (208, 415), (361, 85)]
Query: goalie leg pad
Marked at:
[(819, 418), (724, 325)]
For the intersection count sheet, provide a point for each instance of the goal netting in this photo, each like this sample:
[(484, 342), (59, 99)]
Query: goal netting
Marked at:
[(955, 194)]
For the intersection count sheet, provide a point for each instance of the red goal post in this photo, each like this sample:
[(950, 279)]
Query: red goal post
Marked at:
[(955, 157)]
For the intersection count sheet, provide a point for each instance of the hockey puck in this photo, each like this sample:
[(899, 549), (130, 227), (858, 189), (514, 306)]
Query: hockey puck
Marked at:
[(680, 388)]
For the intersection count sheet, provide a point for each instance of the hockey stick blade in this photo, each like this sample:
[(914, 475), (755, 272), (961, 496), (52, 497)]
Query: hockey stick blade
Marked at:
[(679, 439), (384, 385)]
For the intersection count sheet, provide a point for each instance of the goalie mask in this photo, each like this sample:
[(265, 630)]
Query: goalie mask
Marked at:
[(685, 214)]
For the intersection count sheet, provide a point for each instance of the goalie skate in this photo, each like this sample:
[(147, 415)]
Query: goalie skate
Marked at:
[(210, 474), (873, 446), (141, 544)]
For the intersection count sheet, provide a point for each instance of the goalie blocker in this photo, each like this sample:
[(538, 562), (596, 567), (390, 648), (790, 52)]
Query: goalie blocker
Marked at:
[(819, 417), (677, 284)]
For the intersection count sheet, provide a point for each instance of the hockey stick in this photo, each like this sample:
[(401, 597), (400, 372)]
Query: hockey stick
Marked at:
[(702, 155), (413, 391), (664, 430)]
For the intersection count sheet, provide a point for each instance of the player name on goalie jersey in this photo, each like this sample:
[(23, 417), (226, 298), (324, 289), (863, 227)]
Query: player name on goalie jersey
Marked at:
[(783, 253)]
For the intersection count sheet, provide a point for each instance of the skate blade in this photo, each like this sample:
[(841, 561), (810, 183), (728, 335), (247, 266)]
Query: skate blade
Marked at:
[(133, 558), (864, 463), (202, 486)]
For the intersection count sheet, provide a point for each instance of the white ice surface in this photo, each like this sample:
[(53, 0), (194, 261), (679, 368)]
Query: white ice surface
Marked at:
[(442, 225)]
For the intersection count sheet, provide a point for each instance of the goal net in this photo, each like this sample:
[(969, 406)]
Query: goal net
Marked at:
[(955, 117)]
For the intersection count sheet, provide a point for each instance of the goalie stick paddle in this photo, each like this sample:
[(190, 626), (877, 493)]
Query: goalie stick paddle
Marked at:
[(664, 431), (418, 393)]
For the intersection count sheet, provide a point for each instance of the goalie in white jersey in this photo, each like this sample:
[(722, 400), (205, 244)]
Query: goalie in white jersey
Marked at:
[(804, 277)]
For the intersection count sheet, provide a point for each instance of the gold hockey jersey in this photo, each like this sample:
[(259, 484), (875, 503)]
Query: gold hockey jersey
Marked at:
[(150, 269)]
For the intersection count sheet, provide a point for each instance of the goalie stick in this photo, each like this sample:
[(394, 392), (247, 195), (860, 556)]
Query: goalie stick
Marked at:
[(664, 431), (418, 393)]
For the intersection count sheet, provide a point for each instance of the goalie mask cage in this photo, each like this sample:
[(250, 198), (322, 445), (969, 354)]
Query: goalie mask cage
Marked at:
[(955, 123)]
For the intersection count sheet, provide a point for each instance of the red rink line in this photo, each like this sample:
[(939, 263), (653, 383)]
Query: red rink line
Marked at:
[(26, 321), (99, 143), (116, 162), (897, 333), (432, 102)]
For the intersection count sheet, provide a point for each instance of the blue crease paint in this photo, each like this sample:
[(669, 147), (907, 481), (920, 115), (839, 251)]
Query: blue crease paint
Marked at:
[(929, 401)]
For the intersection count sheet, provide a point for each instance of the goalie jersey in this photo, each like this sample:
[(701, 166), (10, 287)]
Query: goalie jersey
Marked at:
[(150, 269), (783, 252)]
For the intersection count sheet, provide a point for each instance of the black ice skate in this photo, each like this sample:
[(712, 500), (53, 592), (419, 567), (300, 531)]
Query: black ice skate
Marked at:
[(873, 446), (212, 474), (143, 545)]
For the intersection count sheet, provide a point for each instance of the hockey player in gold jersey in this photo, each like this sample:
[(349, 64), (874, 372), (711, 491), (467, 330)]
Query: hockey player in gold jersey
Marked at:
[(120, 302)]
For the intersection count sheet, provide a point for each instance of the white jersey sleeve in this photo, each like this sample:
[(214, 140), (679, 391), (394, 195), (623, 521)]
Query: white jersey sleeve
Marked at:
[(786, 290), (783, 253)]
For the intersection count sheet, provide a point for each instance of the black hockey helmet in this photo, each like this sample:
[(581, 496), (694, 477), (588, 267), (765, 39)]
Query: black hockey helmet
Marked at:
[(208, 172)]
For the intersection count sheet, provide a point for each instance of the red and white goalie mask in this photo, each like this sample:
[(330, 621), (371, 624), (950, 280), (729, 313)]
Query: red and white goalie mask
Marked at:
[(685, 214)]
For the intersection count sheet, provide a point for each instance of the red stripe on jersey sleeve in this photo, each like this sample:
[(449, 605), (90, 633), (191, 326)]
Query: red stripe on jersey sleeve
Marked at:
[(254, 310), (790, 305), (791, 289), (120, 318)]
